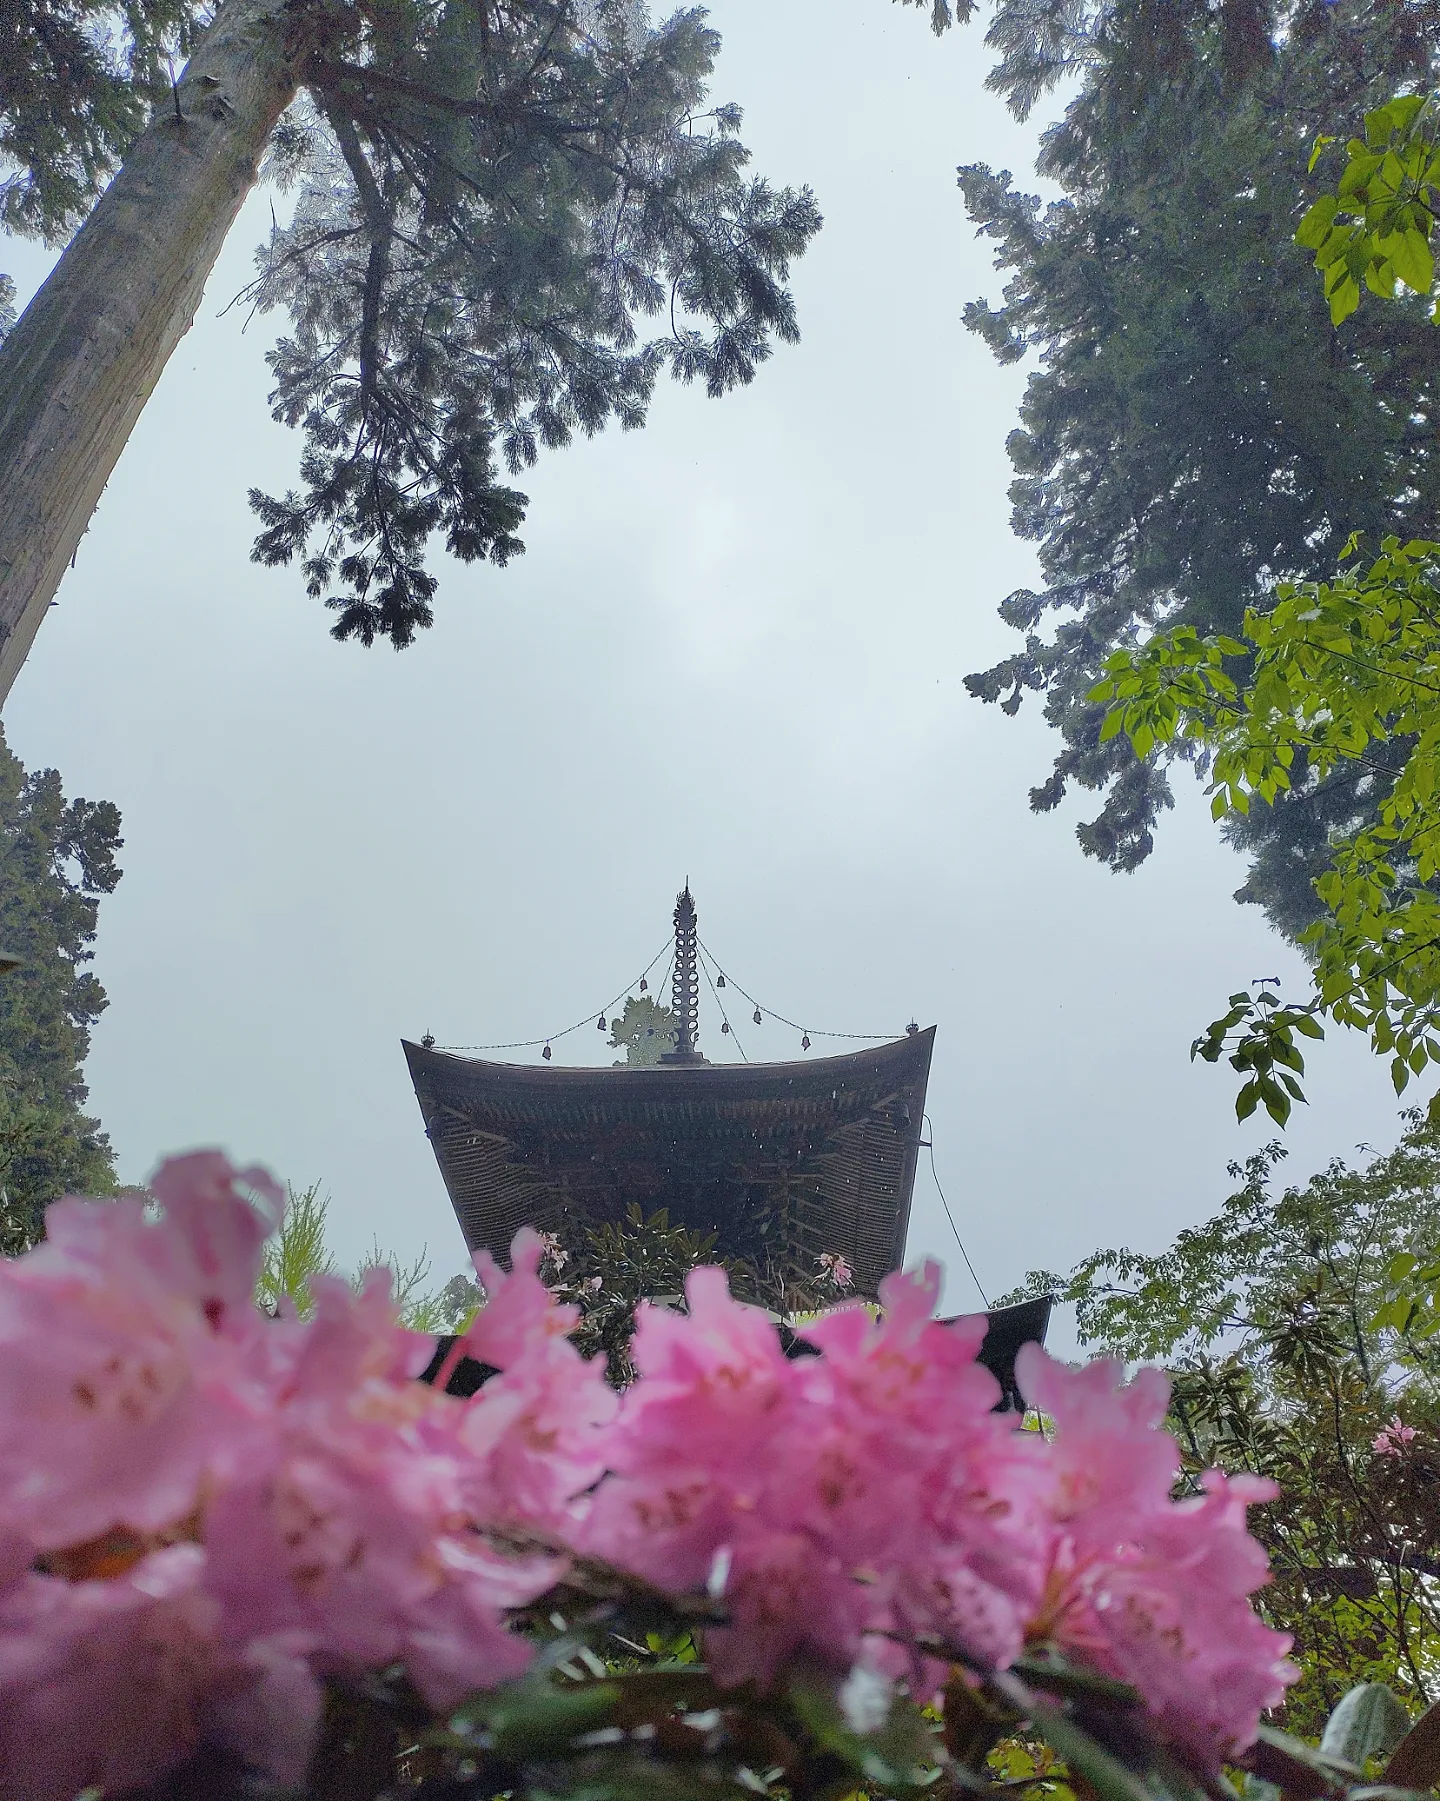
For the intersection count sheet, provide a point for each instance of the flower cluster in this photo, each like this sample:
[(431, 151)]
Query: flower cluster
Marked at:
[(835, 1270), (205, 1512), (868, 1499), (1391, 1440)]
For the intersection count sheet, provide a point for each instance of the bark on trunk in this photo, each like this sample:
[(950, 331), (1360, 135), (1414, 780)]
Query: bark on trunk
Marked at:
[(83, 360)]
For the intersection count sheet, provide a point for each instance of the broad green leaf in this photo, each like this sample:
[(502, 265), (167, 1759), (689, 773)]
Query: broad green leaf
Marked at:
[(536, 1714), (1322, 143), (1343, 301), (1367, 1723), (1314, 228), (1412, 259)]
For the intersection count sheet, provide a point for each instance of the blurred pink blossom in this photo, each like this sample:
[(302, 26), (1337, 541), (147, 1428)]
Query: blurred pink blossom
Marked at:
[(1151, 1590), (1391, 1440), (835, 1269)]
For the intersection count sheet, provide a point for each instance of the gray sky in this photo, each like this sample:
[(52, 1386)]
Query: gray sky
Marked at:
[(734, 651)]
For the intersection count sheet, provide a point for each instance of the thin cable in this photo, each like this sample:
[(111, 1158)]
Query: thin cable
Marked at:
[(704, 962), (930, 1146), (525, 1044), (665, 983), (795, 1026)]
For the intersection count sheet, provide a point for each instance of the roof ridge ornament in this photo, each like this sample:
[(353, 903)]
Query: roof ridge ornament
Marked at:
[(685, 985)]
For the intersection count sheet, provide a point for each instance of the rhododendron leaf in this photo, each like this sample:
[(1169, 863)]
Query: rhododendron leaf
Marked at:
[(652, 1694), (1368, 1722), (1297, 1769), (1051, 1670), (537, 1715), (1416, 1760), (904, 1754)]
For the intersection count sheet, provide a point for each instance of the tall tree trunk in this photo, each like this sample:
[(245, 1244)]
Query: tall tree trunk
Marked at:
[(83, 360)]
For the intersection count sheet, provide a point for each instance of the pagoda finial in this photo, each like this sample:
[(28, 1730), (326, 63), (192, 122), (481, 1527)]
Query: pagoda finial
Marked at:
[(685, 989)]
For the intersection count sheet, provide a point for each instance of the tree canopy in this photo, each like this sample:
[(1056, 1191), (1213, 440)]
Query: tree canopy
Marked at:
[(57, 859), (1194, 430), (513, 216)]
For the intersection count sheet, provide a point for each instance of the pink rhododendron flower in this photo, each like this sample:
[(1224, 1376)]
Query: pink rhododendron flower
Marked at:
[(206, 1511), (1111, 1464), (121, 1382), (1391, 1440), (846, 1492), (353, 1534), (1175, 1618), (147, 1402), (534, 1437), (109, 1684), (1153, 1591), (835, 1269)]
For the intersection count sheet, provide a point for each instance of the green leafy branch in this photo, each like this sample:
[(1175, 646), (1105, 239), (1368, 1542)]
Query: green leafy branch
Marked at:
[(1339, 672), (1375, 226), (1259, 1034)]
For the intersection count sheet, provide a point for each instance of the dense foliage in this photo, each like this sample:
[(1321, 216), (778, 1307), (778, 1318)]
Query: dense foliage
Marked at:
[(1295, 1352), (606, 1270), (1195, 429), (513, 217), (77, 82), (57, 858)]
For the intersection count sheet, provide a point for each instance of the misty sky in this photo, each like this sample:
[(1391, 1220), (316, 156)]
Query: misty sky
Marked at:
[(734, 651)]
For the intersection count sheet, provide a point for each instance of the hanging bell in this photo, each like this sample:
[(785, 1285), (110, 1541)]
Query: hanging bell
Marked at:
[(805, 1042), (756, 1016), (720, 981), (546, 1053), (600, 1023), (725, 1027), (643, 984)]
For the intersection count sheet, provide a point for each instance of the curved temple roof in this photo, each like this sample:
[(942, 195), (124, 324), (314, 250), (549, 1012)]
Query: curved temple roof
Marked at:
[(796, 1158)]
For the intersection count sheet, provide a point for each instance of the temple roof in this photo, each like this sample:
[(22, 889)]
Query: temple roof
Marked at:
[(794, 1157)]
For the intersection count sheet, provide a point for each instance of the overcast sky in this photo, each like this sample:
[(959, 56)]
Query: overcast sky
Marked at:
[(735, 651)]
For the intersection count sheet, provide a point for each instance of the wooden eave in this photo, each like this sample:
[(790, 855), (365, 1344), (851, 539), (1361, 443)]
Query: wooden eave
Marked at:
[(827, 1146)]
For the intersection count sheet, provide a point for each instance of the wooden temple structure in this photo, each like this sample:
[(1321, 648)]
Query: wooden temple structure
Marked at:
[(782, 1161)]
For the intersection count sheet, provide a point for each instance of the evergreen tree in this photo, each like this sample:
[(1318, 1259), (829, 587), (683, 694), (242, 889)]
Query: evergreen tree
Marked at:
[(1195, 430), (57, 858), (513, 216)]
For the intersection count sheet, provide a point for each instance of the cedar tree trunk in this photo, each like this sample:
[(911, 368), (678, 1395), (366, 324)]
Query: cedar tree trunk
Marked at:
[(79, 366)]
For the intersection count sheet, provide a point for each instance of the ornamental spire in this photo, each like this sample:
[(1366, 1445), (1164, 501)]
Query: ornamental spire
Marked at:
[(685, 989)]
